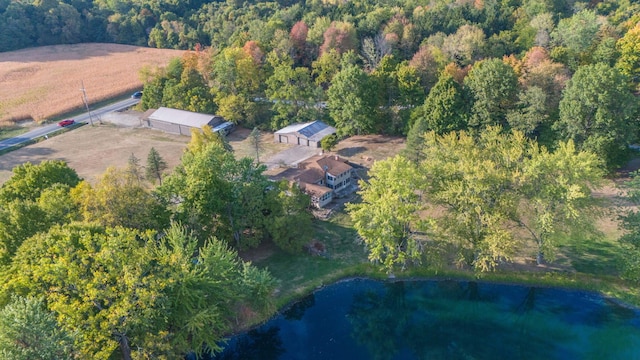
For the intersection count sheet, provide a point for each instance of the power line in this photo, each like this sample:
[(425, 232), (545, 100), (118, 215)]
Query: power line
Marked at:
[(86, 102)]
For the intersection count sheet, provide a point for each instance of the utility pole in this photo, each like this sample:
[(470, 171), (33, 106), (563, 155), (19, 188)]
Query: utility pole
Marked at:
[(86, 102)]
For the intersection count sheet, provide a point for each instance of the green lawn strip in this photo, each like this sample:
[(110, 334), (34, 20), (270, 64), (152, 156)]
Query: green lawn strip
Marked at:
[(13, 131)]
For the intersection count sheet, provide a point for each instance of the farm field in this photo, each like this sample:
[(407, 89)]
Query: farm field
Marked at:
[(40, 83)]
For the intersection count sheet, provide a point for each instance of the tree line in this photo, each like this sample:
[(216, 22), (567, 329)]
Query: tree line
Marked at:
[(554, 75), (124, 269)]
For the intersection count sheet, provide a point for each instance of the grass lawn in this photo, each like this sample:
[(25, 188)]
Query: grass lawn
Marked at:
[(11, 131), (298, 275)]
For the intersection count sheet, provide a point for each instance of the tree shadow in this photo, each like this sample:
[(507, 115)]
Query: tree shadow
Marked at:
[(351, 151), (595, 257), (27, 154)]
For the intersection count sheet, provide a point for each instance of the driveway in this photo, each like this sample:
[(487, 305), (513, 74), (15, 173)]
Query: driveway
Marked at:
[(291, 156)]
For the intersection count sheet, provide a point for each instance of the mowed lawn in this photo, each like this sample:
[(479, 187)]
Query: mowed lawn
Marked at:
[(91, 150), (43, 82)]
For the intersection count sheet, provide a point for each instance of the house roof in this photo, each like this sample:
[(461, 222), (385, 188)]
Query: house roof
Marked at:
[(314, 130), (334, 164), (314, 190), (311, 171), (186, 118), (310, 176)]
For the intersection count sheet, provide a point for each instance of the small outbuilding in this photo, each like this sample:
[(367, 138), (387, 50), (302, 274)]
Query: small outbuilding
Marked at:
[(180, 121), (305, 134)]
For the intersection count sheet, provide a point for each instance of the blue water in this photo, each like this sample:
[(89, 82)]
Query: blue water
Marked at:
[(367, 319)]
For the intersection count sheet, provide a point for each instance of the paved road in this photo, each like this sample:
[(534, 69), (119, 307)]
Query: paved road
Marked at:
[(82, 118)]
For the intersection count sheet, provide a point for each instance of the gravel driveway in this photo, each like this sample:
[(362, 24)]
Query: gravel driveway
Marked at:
[(291, 156)]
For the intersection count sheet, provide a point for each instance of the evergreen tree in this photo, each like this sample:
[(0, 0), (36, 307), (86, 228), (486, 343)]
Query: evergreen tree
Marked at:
[(155, 166)]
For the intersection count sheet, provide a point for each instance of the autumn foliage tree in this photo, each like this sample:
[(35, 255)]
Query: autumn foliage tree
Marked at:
[(340, 36)]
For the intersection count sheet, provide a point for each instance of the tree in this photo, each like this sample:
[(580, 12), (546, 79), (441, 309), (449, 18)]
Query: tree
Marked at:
[(530, 111), (577, 34), (155, 166), (255, 137), (136, 293), (351, 104), (474, 196), (119, 199), (387, 219), (28, 331), (599, 113), (325, 68), (465, 45), (292, 92), (329, 142), (472, 180), (340, 36), (134, 169), (35, 198), (540, 71), (237, 79), (373, 50), (493, 86), (289, 221), (629, 47), (556, 188), (444, 110), (28, 180), (427, 65), (215, 194)]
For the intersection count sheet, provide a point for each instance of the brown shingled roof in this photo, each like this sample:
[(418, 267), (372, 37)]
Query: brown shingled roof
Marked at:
[(334, 164), (314, 190)]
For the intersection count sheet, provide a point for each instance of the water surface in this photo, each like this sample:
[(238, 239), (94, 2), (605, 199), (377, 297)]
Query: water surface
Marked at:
[(367, 319)]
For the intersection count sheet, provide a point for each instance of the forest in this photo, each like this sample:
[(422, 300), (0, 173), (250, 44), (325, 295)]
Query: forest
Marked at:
[(514, 112)]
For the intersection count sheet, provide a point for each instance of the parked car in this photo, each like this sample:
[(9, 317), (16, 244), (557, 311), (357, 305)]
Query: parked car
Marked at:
[(136, 95), (67, 122)]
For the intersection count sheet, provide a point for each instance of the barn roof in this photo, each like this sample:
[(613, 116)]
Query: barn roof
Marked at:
[(314, 130), (186, 118)]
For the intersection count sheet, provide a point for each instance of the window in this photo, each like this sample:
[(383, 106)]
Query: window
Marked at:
[(330, 178)]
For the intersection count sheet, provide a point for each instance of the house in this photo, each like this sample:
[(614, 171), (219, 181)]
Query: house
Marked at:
[(322, 177), (180, 121), (306, 134)]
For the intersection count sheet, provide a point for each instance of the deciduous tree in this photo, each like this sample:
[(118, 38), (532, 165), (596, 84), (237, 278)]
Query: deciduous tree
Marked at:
[(493, 86), (119, 199), (133, 293), (351, 102), (289, 221), (599, 113)]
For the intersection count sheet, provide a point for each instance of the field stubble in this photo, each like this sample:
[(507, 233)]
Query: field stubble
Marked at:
[(40, 83)]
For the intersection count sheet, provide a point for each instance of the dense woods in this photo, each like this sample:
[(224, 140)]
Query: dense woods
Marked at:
[(513, 112)]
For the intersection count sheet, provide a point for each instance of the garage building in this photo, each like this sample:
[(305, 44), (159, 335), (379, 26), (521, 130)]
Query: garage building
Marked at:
[(306, 134), (180, 121)]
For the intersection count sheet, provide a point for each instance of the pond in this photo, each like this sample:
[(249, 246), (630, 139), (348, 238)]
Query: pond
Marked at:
[(367, 319)]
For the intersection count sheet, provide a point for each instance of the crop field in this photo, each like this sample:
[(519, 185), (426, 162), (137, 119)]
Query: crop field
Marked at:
[(40, 83)]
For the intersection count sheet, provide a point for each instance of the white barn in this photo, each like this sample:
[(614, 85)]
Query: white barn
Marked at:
[(180, 121), (306, 134)]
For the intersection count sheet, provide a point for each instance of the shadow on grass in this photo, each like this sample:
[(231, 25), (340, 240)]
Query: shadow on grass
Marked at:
[(351, 151), (596, 257)]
